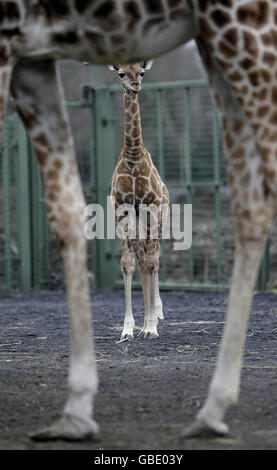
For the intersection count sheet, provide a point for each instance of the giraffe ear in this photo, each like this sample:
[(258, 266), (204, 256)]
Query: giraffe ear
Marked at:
[(147, 64), (113, 67)]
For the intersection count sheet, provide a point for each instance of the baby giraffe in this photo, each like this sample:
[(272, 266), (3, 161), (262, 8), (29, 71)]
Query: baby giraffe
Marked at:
[(137, 184)]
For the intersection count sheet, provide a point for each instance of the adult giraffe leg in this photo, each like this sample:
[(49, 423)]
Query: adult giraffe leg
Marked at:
[(225, 385), (40, 102), (253, 210)]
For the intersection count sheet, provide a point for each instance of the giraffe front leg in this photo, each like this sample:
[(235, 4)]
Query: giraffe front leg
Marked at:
[(127, 265), (76, 422), (40, 102)]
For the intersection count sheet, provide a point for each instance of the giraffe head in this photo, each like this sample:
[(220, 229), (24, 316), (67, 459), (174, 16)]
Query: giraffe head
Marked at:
[(131, 75)]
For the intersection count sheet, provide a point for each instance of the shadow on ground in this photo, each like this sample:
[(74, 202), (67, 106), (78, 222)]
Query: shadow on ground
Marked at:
[(149, 389)]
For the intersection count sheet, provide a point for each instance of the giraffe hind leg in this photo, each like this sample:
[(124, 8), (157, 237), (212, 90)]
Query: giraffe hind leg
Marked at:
[(149, 329), (253, 218), (148, 268), (158, 300)]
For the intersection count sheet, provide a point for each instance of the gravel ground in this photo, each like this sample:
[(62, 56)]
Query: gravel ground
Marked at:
[(149, 389)]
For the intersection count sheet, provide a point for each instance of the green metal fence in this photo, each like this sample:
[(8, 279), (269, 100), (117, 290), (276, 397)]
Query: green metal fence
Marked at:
[(15, 270), (181, 131)]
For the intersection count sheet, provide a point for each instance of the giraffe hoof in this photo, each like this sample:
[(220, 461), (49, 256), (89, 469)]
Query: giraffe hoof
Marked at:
[(205, 430), (67, 428), (127, 337), (148, 334)]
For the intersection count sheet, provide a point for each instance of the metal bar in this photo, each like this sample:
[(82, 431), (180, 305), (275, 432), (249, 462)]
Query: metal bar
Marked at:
[(264, 269), (159, 113), (92, 159), (194, 184), (217, 197), (94, 178), (77, 104), (163, 85), (24, 229), (7, 206), (104, 148), (35, 238), (188, 172), (113, 244), (39, 251), (94, 75), (181, 84), (180, 286)]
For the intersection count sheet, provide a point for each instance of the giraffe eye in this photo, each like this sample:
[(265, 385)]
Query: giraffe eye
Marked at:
[(121, 74), (141, 74)]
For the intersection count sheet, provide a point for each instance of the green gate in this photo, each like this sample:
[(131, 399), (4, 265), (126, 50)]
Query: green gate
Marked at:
[(15, 216), (181, 131)]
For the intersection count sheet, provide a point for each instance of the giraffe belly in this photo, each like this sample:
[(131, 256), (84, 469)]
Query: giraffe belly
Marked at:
[(104, 35)]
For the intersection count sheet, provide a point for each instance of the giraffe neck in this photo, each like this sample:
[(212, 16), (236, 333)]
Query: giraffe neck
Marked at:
[(133, 143)]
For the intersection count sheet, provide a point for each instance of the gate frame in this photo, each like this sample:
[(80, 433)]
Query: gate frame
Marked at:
[(31, 210)]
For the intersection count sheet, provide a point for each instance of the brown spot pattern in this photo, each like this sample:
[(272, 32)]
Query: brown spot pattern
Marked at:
[(253, 13)]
